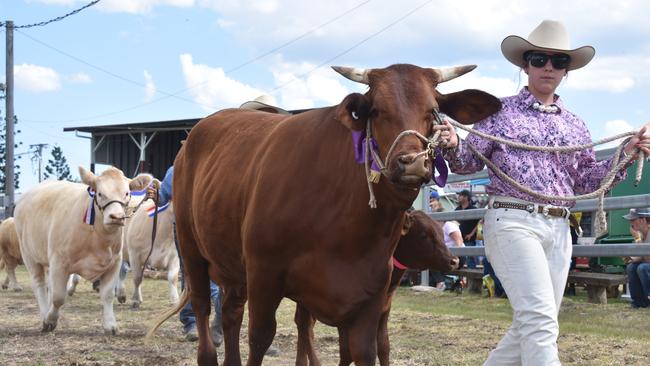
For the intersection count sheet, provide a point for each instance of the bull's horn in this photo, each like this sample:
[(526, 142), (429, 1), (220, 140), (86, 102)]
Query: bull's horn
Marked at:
[(354, 74), (449, 73)]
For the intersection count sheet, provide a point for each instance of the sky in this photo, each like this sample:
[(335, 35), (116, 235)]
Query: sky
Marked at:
[(124, 61)]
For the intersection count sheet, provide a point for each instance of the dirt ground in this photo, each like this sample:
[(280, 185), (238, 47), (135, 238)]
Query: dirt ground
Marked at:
[(425, 329)]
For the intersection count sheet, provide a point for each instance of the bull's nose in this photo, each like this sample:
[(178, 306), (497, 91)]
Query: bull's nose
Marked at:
[(407, 158), (414, 164)]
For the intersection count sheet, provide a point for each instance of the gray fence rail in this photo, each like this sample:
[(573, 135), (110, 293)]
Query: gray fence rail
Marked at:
[(610, 203), (597, 250)]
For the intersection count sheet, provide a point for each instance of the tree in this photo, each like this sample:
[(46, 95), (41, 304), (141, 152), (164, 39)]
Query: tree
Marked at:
[(57, 167), (3, 156)]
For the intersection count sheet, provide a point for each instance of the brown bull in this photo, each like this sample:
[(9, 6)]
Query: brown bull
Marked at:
[(421, 247), (272, 206)]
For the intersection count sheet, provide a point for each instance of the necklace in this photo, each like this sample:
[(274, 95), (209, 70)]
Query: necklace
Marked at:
[(545, 108)]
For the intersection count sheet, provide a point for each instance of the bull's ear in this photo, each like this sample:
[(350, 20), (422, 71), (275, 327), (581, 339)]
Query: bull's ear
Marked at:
[(353, 111), (469, 106), (140, 182), (88, 177), (408, 222)]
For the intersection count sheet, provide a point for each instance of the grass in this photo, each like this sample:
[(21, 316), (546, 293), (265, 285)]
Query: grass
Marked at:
[(425, 329)]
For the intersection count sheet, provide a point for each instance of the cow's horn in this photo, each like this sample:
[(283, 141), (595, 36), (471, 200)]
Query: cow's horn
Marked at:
[(354, 74), (449, 73)]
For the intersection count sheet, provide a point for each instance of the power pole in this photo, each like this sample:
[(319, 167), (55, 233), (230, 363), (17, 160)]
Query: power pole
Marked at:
[(9, 117), (38, 154)]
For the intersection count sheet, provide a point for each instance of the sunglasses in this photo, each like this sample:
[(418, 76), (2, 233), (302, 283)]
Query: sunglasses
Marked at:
[(559, 61)]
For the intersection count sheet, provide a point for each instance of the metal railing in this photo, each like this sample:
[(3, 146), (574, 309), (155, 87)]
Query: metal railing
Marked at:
[(598, 250)]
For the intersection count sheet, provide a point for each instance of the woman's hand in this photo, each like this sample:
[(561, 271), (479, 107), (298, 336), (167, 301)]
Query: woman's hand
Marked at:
[(448, 137), (640, 141)]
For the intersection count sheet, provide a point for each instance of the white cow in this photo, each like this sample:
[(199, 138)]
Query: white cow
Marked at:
[(163, 255), (53, 234), (120, 292), (9, 253)]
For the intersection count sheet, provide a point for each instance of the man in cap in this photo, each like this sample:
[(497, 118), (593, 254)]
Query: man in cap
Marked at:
[(638, 268), (467, 226)]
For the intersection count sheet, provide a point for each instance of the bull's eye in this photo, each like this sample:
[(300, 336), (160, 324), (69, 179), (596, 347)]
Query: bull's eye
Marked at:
[(99, 195)]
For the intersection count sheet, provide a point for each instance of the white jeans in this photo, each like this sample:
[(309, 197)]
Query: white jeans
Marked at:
[(531, 255)]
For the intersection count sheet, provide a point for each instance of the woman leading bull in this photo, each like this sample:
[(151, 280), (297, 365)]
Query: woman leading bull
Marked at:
[(527, 239)]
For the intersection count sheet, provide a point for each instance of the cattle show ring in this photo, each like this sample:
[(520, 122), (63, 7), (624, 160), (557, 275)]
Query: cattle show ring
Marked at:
[(400, 223), (304, 264)]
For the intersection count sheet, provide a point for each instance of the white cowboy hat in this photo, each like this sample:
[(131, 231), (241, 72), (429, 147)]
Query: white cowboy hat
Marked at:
[(263, 101), (549, 36)]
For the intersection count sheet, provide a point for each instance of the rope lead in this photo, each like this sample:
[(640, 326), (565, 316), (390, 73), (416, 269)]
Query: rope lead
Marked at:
[(605, 185)]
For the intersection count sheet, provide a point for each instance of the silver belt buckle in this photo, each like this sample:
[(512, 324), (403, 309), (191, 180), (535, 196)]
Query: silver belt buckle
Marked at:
[(530, 208), (545, 211)]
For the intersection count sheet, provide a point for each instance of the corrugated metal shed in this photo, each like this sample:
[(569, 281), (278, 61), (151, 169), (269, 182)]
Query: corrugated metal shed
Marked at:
[(137, 147)]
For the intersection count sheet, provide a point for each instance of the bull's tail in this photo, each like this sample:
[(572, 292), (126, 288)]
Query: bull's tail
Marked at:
[(2, 262), (185, 297)]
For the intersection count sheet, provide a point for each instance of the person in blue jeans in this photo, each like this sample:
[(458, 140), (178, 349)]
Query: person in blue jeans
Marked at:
[(187, 317), (638, 268)]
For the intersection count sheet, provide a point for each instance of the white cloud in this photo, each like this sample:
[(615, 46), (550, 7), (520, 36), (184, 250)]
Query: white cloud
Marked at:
[(437, 21), (613, 128), (499, 87), (36, 79), (296, 87), (150, 87), (211, 88), (56, 2), (79, 78), (615, 74), (303, 86), (140, 6)]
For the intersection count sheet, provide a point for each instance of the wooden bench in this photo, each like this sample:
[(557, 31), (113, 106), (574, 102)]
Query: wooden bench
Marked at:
[(474, 278), (597, 284)]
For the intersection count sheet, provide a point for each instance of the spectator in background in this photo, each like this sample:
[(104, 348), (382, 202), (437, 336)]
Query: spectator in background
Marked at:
[(434, 201), (638, 268), (452, 238), (467, 227)]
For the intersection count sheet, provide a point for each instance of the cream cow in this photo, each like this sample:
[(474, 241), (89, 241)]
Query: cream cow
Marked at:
[(120, 292), (9, 253), (54, 235), (163, 255)]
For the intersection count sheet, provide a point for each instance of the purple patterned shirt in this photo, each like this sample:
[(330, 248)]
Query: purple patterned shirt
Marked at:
[(561, 174)]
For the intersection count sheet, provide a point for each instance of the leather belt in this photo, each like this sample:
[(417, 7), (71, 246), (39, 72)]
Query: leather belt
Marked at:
[(546, 210)]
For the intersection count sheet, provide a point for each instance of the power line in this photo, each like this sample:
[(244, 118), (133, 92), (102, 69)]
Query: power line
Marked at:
[(110, 73), (175, 94), (40, 24)]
